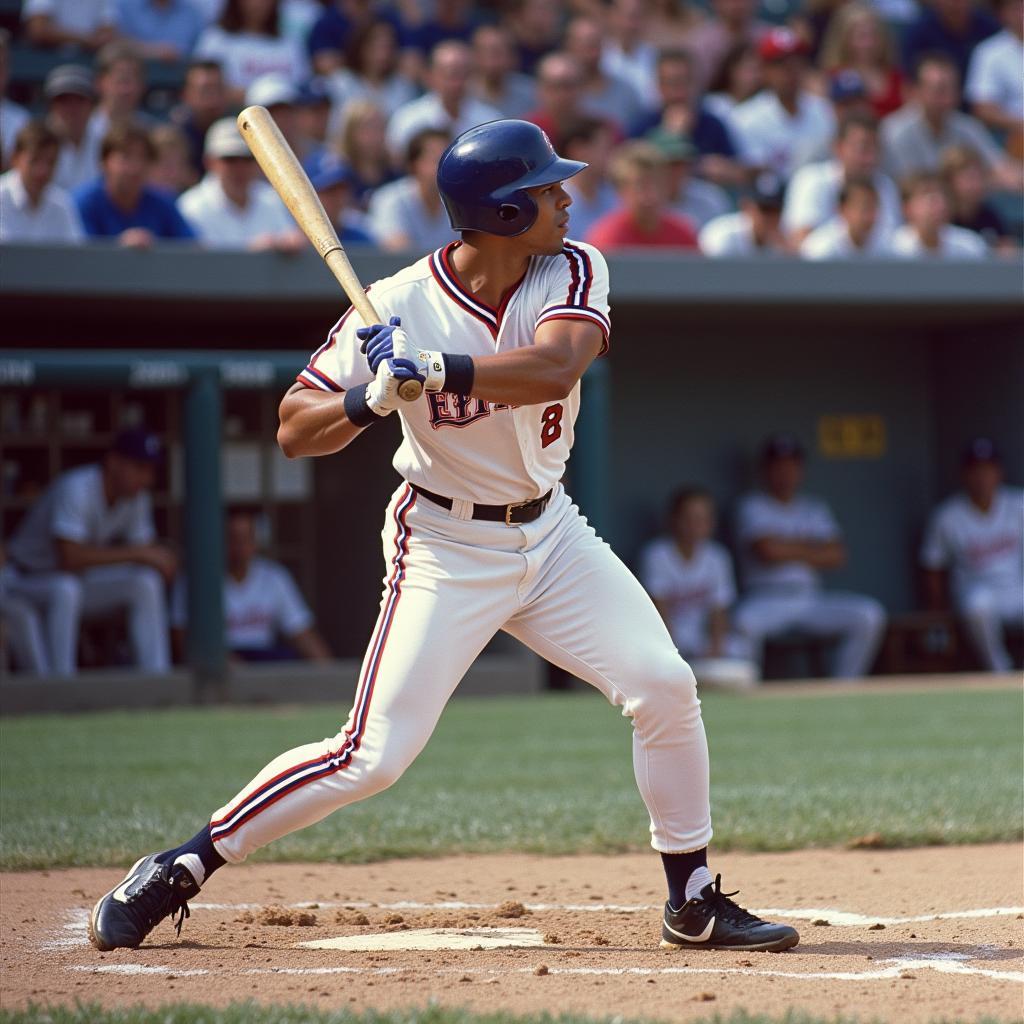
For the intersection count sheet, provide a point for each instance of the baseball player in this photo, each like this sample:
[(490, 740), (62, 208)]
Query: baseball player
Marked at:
[(978, 536), (787, 540), (480, 536)]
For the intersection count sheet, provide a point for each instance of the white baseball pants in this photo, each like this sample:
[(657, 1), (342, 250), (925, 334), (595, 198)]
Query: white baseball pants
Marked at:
[(452, 583), (985, 610), (62, 599), (858, 621)]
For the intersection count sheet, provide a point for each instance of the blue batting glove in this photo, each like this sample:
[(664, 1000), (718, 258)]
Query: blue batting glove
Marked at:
[(378, 341), (405, 369)]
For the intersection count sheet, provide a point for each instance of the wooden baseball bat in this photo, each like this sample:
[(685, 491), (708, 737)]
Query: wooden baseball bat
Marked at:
[(292, 184)]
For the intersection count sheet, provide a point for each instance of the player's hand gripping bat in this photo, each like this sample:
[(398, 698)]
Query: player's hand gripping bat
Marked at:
[(291, 183)]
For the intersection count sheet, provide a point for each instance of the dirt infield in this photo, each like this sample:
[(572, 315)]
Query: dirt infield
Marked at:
[(905, 936)]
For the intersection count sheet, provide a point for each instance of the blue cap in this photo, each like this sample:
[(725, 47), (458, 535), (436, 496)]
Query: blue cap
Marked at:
[(331, 173), (313, 93), (847, 85), (981, 449), (139, 444), (782, 446), (767, 190)]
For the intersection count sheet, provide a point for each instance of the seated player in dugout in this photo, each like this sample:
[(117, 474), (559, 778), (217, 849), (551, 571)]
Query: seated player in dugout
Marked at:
[(690, 579), (479, 536), (787, 541), (88, 548), (973, 552), (265, 615)]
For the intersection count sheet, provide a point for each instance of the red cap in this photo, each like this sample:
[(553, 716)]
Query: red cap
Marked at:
[(780, 43)]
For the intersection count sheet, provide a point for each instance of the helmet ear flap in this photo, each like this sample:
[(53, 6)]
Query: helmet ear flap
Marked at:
[(516, 214)]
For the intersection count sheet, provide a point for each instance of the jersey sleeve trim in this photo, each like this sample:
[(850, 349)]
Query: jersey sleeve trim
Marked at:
[(594, 316), (581, 274), (311, 377)]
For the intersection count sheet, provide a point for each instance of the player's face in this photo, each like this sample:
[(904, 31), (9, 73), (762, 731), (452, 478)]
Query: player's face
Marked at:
[(694, 522), (784, 476), (129, 477), (240, 541), (981, 479), (36, 167), (549, 230)]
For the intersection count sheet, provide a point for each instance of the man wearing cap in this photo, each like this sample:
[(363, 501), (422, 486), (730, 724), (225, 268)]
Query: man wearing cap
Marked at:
[(689, 197), (88, 547), (812, 197), (280, 95), (335, 187), (784, 126), (754, 229), (70, 99), (976, 537), (787, 540), (32, 209), (230, 208)]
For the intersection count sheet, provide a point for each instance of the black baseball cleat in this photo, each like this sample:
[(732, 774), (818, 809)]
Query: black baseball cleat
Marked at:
[(713, 921), (147, 894)]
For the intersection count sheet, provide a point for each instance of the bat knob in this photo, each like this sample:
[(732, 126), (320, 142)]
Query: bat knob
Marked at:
[(410, 390)]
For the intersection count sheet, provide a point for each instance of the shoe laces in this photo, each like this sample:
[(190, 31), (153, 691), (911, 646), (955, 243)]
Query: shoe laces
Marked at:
[(726, 909), (156, 899)]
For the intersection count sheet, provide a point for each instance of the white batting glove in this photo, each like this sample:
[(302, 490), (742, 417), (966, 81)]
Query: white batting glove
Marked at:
[(382, 392)]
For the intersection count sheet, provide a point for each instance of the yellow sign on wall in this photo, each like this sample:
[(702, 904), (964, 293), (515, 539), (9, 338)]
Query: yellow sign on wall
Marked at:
[(852, 437)]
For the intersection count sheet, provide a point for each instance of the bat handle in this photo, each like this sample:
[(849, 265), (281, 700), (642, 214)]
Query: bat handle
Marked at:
[(410, 390)]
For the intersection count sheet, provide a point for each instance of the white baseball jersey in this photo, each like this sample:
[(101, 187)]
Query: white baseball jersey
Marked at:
[(75, 508), (483, 452), (978, 547), (804, 518), (258, 610), (690, 589)]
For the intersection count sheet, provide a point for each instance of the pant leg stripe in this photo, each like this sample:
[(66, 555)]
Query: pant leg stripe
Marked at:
[(293, 778)]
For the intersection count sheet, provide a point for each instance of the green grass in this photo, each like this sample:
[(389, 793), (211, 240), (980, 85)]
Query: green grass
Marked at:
[(547, 774), (250, 1013)]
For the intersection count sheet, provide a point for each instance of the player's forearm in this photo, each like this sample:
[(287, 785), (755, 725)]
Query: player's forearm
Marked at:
[(311, 645), (313, 423), (75, 557), (818, 554), (526, 376)]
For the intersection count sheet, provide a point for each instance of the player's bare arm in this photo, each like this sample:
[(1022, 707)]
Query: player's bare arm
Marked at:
[(313, 423), (828, 554), (76, 557)]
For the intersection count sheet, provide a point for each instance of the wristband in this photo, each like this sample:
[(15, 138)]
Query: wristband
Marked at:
[(458, 374), (358, 410)]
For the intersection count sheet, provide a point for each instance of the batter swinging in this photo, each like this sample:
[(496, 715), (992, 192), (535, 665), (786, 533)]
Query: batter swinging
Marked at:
[(479, 537)]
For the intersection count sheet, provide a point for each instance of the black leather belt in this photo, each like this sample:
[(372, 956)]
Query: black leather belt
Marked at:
[(511, 515)]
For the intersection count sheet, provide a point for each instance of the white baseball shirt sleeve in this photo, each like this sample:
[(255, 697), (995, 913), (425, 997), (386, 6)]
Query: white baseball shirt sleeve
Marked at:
[(338, 364)]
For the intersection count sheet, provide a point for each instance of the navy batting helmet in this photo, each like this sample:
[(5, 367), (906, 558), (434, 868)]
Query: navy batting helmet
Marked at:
[(484, 174)]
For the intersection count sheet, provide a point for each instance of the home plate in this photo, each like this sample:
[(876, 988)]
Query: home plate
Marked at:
[(433, 938)]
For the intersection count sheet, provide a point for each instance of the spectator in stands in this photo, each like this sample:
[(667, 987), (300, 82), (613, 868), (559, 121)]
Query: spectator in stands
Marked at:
[(604, 95), (204, 99), (691, 581), (334, 185), (854, 229), (120, 86), (787, 540), (535, 26), (951, 27), (849, 95), (928, 232), (407, 214), (164, 30), (589, 141), (738, 77), (371, 72), (88, 547), (967, 184), (733, 23), (689, 197), (265, 615), (362, 147), (448, 106), (496, 81), (784, 126), (640, 175), (993, 83), (680, 111), (13, 116), (32, 208), (752, 231), (120, 204), (914, 138), (627, 54), (332, 33), (812, 197), (248, 42), (172, 172), (88, 24), (69, 94), (560, 98), (858, 40), (313, 113), (231, 208), (976, 537)]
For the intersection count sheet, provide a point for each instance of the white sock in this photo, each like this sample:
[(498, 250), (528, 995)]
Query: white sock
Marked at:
[(194, 866), (700, 878)]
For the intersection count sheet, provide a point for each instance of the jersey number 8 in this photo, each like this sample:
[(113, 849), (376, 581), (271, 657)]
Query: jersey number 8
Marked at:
[(551, 425)]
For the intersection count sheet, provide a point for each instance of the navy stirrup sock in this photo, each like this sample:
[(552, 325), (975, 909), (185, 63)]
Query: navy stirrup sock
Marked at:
[(679, 867), (201, 846)]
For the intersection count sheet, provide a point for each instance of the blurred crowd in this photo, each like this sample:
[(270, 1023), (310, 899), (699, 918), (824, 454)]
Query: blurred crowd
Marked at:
[(823, 128)]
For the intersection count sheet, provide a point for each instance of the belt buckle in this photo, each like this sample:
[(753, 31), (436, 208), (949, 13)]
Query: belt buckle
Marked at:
[(508, 512)]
